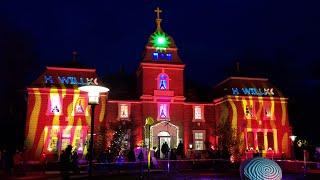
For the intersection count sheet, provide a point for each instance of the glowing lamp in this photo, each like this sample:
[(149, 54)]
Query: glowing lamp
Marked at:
[(160, 40), (293, 138), (93, 92), (190, 146)]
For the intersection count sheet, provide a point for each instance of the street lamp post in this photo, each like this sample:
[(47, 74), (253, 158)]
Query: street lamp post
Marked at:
[(149, 122), (293, 138), (93, 95)]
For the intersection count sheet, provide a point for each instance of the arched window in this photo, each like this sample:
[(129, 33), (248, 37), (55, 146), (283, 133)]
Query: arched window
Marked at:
[(163, 82), (163, 111)]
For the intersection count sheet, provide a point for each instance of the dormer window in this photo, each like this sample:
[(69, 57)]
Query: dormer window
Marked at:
[(163, 82), (55, 105), (124, 111), (163, 112)]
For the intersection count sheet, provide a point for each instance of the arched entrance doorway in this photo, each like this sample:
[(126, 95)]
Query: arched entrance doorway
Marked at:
[(164, 132), (164, 137)]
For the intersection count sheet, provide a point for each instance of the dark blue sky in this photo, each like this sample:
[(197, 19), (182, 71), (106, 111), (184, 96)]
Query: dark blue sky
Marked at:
[(270, 38), (210, 34)]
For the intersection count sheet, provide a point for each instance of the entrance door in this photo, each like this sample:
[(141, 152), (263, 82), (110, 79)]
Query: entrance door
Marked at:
[(163, 139)]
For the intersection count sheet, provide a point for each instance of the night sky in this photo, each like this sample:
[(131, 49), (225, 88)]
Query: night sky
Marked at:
[(270, 38)]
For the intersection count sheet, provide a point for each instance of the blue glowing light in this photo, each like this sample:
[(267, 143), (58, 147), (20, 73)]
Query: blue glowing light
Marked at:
[(161, 56), (253, 91)]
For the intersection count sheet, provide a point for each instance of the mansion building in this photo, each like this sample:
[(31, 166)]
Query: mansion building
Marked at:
[(58, 113)]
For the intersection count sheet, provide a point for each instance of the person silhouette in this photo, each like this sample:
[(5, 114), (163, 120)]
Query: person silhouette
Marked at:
[(165, 149)]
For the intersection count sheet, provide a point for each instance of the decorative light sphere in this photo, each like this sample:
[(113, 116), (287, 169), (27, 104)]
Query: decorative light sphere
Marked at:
[(260, 169)]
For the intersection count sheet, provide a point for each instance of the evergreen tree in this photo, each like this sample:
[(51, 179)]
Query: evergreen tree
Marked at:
[(229, 138), (100, 145), (117, 142)]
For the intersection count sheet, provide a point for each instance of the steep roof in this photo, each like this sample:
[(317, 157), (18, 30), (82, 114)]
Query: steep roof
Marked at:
[(161, 48)]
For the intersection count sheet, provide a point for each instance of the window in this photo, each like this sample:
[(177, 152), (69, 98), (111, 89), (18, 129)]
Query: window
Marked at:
[(250, 140), (161, 56), (80, 106), (267, 113), (198, 145), (77, 142), (53, 139), (55, 106), (198, 138), (124, 111), (66, 135), (260, 140), (270, 140), (198, 112), (169, 56), (163, 82), (155, 56), (198, 135), (249, 111), (163, 111)]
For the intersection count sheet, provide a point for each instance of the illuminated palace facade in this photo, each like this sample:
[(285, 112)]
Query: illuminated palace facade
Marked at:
[(58, 113)]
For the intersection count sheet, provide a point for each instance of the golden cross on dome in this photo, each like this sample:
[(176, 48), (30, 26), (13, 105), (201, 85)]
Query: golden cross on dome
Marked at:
[(158, 20), (158, 11)]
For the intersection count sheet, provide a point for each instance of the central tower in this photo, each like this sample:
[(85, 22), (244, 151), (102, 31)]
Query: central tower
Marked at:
[(161, 88), (160, 74)]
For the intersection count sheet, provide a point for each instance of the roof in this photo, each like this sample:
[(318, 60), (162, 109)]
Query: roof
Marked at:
[(246, 86), (62, 77), (123, 86), (167, 55)]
